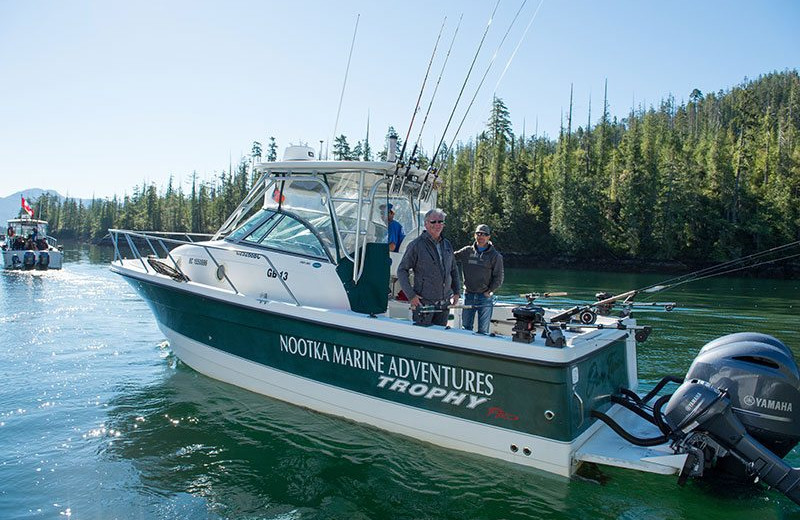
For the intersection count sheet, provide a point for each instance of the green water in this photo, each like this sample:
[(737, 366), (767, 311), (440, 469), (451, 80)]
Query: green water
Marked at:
[(99, 420)]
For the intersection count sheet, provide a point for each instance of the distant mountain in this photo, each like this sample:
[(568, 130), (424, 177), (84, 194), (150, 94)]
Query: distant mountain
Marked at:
[(10, 206)]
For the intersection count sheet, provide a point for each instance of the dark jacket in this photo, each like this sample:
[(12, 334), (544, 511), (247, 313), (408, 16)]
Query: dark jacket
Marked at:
[(434, 281), (483, 271)]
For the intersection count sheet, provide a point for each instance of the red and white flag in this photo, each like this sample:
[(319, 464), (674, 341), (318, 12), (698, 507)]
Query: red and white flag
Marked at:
[(27, 207)]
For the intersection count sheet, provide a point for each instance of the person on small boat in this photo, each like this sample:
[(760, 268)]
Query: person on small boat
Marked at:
[(483, 275), (436, 283), (396, 234)]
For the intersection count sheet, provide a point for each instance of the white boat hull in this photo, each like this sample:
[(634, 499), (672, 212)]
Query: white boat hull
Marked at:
[(449, 432), (16, 259)]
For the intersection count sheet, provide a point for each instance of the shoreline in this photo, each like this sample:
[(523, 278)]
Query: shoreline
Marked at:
[(783, 270)]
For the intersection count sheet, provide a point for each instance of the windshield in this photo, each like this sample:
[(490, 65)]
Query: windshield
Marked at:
[(344, 205), (309, 201), (281, 231), (250, 224), (25, 229)]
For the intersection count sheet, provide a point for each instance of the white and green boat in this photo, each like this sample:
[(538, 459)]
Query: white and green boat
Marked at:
[(293, 298)]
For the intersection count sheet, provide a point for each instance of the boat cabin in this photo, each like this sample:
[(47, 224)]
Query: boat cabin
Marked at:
[(333, 213), (28, 233)]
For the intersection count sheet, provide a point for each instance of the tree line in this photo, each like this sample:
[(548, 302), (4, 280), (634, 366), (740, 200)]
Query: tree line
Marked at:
[(705, 180)]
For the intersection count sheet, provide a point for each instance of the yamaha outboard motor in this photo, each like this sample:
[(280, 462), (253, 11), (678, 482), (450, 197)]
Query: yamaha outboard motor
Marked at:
[(701, 418), (762, 381), (734, 415)]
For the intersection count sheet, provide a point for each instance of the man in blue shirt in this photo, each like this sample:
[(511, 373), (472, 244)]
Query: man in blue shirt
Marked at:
[(396, 234)]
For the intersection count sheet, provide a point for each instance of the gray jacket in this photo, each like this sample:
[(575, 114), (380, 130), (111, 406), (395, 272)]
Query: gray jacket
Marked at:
[(434, 281), (483, 270)]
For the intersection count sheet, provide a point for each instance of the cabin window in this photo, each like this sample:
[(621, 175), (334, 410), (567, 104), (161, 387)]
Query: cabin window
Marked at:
[(293, 236), (262, 216), (308, 200), (366, 218)]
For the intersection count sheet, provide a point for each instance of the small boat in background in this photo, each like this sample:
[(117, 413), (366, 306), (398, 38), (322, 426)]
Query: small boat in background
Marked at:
[(27, 245)]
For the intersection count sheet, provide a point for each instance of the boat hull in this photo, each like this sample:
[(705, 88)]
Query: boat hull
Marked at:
[(528, 411)]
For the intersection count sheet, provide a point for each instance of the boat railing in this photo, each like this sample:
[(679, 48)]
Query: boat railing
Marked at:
[(151, 239)]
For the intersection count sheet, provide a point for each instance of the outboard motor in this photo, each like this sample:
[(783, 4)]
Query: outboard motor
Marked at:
[(701, 418), (734, 415), (762, 381), (44, 260), (28, 260)]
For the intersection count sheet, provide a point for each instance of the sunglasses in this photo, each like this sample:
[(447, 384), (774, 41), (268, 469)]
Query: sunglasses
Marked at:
[(482, 234), (436, 222)]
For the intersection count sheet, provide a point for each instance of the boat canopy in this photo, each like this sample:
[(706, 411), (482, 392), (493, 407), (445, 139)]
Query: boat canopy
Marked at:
[(334, 211)]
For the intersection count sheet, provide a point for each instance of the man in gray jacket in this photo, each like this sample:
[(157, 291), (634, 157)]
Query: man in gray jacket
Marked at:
[(436, 282), (483, 275)]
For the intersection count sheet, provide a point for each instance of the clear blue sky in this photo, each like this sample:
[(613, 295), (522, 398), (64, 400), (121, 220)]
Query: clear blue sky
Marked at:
[(98, 96)]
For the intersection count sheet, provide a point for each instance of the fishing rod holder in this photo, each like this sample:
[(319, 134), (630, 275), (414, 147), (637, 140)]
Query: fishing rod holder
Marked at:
[(527, 318), (640, 332), (553, 336)]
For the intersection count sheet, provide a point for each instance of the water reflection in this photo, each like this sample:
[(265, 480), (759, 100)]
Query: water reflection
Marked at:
[(245, 455)]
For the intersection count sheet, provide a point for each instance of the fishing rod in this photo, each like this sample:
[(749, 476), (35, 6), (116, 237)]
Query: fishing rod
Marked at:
[(585, 311), (439, 308), (494, 303), (464, 85), (519, 43), (486, 72), (433, 96), (439, 171), (721, 269), (419, 99), (532, 296)]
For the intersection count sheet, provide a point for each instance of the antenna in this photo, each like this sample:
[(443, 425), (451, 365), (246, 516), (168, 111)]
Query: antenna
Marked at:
[(344, 83)]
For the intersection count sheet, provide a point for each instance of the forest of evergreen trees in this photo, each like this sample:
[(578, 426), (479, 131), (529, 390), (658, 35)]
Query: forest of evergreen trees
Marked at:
[(706, 180)]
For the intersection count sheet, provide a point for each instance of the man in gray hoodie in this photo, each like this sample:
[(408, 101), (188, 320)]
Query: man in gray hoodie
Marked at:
[(483, 275), (436, 282)]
